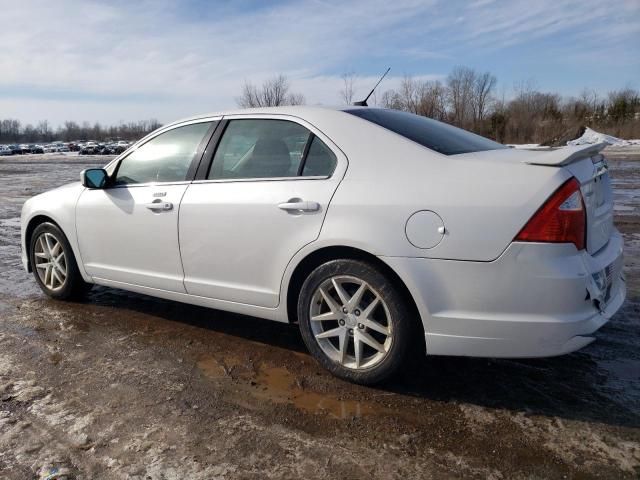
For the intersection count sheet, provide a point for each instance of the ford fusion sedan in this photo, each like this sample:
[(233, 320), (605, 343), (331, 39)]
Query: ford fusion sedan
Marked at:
[(374, 230)]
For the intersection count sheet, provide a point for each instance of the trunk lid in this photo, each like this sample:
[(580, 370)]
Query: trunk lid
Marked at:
[(595, 184)]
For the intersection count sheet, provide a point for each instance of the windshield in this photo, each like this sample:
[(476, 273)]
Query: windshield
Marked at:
[(438, 136)]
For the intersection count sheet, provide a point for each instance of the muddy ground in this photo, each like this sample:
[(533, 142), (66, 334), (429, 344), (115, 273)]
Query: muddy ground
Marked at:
[(128, 386)]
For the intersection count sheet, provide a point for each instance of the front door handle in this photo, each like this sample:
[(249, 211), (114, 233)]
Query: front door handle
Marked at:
[(297, 205), (159, 206)]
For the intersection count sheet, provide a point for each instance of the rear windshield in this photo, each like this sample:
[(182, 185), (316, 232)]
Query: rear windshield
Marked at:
[(438, 136)]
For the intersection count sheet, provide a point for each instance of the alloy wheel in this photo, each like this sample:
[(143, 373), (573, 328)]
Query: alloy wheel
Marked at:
[(351, 322), (50, 261)]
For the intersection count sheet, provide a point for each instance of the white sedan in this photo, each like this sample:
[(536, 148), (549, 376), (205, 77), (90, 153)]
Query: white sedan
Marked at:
[(374, 230)]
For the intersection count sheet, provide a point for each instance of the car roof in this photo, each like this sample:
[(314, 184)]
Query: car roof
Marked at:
[(303, 111)]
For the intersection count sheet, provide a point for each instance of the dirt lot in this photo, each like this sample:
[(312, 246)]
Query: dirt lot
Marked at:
[(127, 386)]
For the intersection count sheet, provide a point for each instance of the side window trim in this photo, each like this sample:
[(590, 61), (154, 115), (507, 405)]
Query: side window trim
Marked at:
[(193, 166), (212, 145), (305, 152)]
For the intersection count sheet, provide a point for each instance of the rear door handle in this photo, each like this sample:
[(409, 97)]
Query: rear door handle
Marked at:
[(159, 206), (294, 205)]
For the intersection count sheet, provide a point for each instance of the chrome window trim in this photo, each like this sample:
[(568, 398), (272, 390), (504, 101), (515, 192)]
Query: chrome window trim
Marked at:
[(262, 179), (148, 184)]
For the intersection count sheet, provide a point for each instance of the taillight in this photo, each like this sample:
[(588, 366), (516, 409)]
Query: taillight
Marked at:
[(562, 219)]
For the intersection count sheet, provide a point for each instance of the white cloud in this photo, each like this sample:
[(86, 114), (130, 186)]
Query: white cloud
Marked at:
[(120, 60)]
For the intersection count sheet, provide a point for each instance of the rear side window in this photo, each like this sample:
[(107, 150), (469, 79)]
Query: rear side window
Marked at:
[(165, 158), (438, 136), (269, 148), (320, 161), (259, 149)]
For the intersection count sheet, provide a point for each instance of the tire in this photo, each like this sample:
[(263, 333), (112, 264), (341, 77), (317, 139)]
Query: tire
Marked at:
[(339, 332), (49, 270)]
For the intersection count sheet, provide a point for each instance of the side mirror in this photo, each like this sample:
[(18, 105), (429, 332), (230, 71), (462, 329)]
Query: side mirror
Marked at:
[(94, 178)]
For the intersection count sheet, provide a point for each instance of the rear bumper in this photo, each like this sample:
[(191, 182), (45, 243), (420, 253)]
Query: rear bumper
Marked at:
[(536, 300)]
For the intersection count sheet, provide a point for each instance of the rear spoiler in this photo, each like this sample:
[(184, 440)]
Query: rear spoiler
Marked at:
[(565, 155)]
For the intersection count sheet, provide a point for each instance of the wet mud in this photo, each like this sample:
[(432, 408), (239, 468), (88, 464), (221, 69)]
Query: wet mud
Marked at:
[(123, 385)]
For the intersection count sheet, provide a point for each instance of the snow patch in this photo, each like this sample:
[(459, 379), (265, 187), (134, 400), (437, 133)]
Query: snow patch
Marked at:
[(591, 136)]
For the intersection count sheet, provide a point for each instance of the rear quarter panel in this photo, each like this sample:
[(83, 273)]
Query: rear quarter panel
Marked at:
[(483, 200)]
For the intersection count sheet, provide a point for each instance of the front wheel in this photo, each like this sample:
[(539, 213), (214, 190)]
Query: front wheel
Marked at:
[(54, 265), (354, 321)]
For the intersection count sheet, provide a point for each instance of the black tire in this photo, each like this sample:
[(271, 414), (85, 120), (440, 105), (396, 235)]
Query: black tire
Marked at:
[(74, 287), (403, 325)]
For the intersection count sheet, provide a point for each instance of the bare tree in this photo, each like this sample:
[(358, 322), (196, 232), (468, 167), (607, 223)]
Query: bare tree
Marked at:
[(274, 92), (482, 88), (461, 83), (348, 89), (422, 98)]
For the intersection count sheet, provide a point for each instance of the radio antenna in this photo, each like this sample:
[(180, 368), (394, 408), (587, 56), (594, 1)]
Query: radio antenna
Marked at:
[(363, 103)]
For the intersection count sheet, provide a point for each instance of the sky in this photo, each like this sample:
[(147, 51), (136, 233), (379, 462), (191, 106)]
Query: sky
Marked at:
[(122, 60)]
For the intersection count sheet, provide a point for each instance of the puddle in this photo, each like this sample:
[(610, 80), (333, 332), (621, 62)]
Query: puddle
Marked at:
[(279, 385), (216, 369)]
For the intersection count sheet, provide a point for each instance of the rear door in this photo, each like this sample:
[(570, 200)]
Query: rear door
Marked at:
[(263, 198), (128, 232)]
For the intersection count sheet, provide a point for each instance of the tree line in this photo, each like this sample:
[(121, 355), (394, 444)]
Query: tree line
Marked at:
[(468, 99), (12, 131)]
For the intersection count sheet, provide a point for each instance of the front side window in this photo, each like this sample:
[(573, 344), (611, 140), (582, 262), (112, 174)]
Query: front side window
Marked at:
[(165, 158), (259, 148)]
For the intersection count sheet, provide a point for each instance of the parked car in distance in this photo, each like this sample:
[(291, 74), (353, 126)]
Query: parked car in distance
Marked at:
[(371, 229), (35, 148), (16, 149), (4, 150)]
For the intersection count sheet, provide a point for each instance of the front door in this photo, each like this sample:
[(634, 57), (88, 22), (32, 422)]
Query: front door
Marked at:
[(264, 198), (128, 232)]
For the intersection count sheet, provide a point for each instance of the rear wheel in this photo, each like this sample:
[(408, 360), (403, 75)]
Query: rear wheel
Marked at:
[(354, 321), (54, 265)]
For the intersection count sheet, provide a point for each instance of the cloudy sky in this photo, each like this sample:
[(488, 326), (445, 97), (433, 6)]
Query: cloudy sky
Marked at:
[(113, 61)]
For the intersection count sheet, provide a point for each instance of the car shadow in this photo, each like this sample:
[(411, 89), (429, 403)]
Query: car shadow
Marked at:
[(574, 386)]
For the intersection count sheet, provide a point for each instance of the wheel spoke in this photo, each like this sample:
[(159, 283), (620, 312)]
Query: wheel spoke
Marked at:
[(326, 316), (371, 307), (354, 301), (40, 255), (54, 272), (57, 247), (369, 340), (48, 242), (43, 265), (43, 247), (47, 277), (344, 296), (357, 348), (334, 332), (343, 344), (62, 264), (333, 306), (373, 325)]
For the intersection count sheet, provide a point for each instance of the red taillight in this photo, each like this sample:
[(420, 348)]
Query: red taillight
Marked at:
[(562, 219)]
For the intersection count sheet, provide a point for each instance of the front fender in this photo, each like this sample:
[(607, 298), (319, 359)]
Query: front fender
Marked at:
[(57, 206)]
